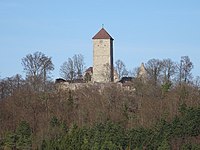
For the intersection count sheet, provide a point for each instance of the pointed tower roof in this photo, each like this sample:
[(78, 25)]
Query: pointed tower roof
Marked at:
[(102, 34), (142, 71)]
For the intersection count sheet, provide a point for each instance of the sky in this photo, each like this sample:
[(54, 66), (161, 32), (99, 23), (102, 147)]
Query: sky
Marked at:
[(142, 30)]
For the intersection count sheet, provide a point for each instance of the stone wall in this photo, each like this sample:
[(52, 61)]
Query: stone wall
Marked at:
[(102, 60)]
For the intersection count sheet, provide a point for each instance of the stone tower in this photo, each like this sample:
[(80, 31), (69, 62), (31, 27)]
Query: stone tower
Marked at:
[(102, 57), (142, 72)]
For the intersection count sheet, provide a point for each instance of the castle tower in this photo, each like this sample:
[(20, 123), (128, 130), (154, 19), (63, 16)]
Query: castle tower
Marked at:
[(142, 72), (102, 57)]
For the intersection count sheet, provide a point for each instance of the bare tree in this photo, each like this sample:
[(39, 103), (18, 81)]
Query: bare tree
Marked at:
[(67, 70), (9, 85), (121, 68), (79, 64), (196, 82), (154, 67), (73, 68), (184, 69), (37, 67), (169, 70)]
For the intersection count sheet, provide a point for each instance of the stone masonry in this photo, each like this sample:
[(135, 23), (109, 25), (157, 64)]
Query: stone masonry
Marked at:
[(102, 57)]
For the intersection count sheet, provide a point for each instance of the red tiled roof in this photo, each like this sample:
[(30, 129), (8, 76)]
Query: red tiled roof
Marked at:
[(102, 34), (90, 69)]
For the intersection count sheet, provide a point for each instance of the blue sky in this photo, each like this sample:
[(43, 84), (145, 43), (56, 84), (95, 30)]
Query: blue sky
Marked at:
[(142, 30)]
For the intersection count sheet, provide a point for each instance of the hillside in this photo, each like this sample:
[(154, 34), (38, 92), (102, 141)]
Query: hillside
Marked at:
[(115, 118)]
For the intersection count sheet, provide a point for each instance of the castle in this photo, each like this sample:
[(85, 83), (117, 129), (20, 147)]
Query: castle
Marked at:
[(103, 69)]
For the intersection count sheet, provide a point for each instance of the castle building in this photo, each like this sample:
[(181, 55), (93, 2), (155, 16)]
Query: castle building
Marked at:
[(102, 57), (142, 72)]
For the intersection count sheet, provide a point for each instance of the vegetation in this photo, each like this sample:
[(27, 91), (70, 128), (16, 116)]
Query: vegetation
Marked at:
[(182, 132), (161, 112), (73, 68), (120, 68)]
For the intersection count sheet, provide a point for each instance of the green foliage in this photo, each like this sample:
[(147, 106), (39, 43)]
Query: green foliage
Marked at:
[(166, 86), (188, 123), (159, 137), (54, 121), (1, 144), (137, 138), (164, 145), (57, 131), (111, 135), (109, 145), (10, 141), (190, 147), (73, 139), (21, 139), (23, 133), (107, 135), (101, 136)]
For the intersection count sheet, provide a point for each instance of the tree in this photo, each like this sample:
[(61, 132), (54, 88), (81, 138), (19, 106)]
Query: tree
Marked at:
[(169, 70), (67, 70), (21, 139), (154, 67), (23, 133), (121, 68), (79, 64), (184, 69), (9, 85), (73, 68), (37, 67)]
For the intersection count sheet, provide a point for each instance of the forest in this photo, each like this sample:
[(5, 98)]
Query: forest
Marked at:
[(162, 112)]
